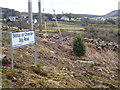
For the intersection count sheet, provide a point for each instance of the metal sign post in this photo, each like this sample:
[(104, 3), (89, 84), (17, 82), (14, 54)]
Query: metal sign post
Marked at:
[(35, 50), (11, 51)]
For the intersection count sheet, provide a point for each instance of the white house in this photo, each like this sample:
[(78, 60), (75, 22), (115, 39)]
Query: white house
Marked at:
[(13, 18), (103, 19), (65, 18), (72, 19), (34, 21), (78, 18)]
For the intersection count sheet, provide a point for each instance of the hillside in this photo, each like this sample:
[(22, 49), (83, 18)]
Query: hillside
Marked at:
[(58, 67), (9, 12), (114, 13)]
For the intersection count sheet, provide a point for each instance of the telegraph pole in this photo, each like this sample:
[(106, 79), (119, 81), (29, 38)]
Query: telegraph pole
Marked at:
[(30, 14), (31, 27), (40, 16)]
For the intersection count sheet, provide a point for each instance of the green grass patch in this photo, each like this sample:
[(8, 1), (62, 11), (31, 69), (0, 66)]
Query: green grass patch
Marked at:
[(104, 80), (18, 66), (39, 70), (5, 34), (4, 79)]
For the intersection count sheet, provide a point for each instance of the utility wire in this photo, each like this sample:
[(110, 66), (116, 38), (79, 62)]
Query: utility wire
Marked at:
[(55, 17), (45, 23)]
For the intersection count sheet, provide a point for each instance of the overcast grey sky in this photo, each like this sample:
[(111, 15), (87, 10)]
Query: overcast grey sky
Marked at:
[(96, 7)]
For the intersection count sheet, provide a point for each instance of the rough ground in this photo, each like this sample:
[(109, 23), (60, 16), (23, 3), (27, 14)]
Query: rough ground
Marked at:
[(58, 67)]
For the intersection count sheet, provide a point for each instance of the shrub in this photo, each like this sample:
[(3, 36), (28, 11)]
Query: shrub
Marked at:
[(78, 46)]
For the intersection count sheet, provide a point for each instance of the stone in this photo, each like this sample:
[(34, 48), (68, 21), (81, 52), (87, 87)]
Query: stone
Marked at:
[(2, 56), (52, 52), (4, 59), (87, 62), (56, 36), (54, 82)]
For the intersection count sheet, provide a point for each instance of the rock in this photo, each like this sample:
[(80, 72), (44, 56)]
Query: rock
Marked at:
[(103, 46), (88, 40), (56, 36), (2, 57), (100, 69), (52, 52), (45, 35), (99, 48), (14, 79), (87, 62), (84, 63), (54, 82)]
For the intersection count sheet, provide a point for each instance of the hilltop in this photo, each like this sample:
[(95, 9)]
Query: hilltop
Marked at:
[(11, 12), (114, 13)]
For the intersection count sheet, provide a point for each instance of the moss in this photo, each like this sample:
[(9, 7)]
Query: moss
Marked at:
[(104, 81), (32, 83), (18, 66), (57, 77), (42, 84), (39, 70), (53, 87), (10, 75), (69, 68), (4, 79)]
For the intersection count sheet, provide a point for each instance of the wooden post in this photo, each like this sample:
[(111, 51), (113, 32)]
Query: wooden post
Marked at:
[(30, 14), (40, 16)]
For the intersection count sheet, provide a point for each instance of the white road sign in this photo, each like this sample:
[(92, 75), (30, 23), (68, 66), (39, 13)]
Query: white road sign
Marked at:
[(22, 38)]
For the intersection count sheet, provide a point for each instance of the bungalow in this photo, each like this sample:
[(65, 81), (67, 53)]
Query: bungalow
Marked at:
[(34, 21), (65, 18), (103, 19), (78, 18), (72, 19), (13, 18), (2, 20)]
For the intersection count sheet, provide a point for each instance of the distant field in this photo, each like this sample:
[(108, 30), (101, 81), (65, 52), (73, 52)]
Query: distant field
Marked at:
[(105, 17), (52, 26)]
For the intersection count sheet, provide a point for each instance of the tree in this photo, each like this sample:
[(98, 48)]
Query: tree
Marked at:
[(79, 46)]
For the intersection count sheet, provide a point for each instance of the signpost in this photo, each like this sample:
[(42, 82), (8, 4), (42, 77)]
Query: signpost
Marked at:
[(22, 38)]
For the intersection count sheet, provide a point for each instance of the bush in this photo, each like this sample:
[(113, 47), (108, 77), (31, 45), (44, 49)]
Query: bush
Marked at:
[(78, 46)]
